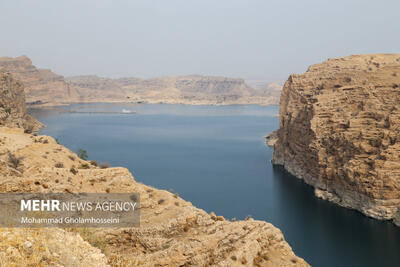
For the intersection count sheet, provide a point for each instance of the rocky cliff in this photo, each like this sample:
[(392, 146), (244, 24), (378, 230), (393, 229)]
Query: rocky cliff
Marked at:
[(12, 104), (41, 85), (340, 132)]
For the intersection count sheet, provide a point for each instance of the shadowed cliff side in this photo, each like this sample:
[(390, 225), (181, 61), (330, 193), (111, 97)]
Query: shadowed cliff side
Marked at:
[(340, 132)]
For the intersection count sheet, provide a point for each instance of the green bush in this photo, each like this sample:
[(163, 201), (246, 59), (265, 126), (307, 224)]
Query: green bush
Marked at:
[(82, 154)]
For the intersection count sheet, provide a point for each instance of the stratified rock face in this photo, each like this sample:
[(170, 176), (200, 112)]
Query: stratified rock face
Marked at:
[(194, 89), (172, 231), (12, 104), (340, 132), (40, 84)]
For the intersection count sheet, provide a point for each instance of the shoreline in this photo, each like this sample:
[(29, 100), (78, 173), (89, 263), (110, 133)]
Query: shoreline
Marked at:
[(50, 105)]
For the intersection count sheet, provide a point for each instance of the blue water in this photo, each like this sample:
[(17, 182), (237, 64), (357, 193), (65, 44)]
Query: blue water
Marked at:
[(216, 158)]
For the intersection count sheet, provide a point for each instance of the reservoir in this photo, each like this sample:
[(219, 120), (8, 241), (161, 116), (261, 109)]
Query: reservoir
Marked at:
[(216, 158)]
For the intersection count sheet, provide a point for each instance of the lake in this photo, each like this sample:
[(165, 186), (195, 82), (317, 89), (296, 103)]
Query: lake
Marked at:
[(216, 158)]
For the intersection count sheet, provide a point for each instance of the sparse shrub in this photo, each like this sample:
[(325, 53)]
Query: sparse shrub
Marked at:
[(347, 79), (45, 141), (160, 201), (93, 163), (14, 161), (104, 165), (8, 110), (84, 166), (29, 129), (82, 154), (71, 157), (59, 165), (73, 170)]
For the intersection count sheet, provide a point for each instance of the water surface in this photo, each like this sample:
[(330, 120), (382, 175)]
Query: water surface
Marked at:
[(216, 158)]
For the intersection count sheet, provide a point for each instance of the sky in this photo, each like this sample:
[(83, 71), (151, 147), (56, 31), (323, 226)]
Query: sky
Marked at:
[(263, 40)]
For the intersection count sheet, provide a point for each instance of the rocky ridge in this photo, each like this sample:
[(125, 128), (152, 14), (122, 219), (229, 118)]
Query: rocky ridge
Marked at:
[(340, 132)]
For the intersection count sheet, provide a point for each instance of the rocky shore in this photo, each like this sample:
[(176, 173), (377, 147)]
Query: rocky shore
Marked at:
[(340, 132)]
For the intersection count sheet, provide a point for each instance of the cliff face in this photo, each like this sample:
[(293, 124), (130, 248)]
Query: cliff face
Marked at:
[(172, 231), (195, 89), (12, 104), (40, 84), (340, 132)]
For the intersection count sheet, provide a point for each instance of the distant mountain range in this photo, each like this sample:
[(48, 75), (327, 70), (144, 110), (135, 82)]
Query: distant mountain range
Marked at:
[(44, 87)]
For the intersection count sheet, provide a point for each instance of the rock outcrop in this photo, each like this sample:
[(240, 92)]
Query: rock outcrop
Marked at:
[(12, 104), (41, 85), (172, 231), (47, 247), (340, 132)]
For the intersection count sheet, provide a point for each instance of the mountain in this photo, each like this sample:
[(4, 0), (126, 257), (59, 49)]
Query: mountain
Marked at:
[(44, 87), (193, 90)]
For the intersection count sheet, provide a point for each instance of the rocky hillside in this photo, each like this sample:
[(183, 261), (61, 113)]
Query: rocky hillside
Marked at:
[(41, 85), (340, 132), (172, 231), (197, 90), (12, 104)]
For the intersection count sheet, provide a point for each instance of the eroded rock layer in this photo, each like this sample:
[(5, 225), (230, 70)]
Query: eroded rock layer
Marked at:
[(340, 132)]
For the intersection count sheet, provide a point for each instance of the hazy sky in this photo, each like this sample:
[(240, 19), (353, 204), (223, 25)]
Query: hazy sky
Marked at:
[(253, 39)]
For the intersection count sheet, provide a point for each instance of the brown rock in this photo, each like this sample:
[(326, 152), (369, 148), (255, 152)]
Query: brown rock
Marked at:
[(340, 132), (41, 85), (12, 104)]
